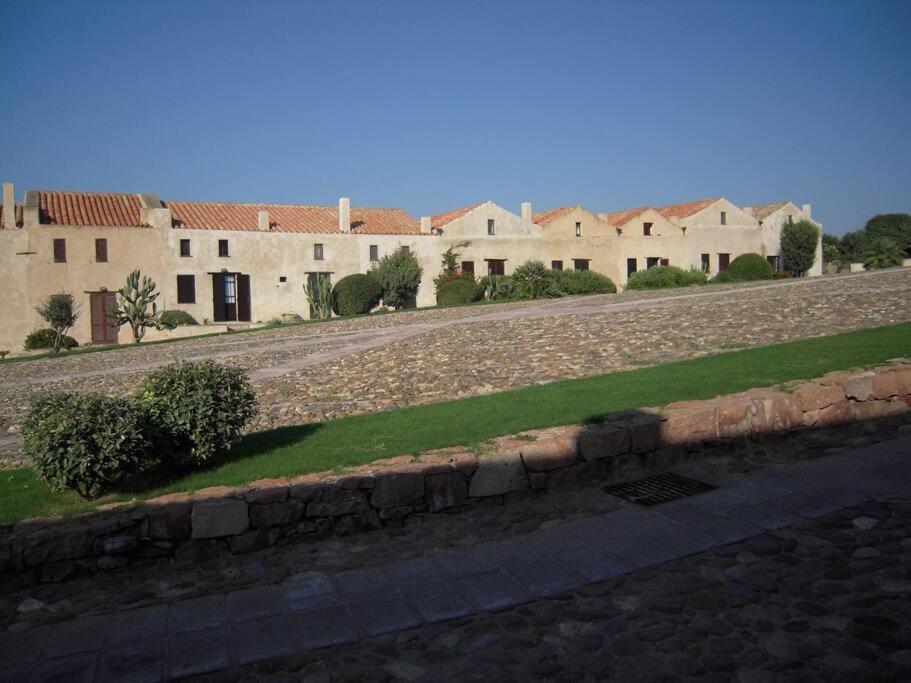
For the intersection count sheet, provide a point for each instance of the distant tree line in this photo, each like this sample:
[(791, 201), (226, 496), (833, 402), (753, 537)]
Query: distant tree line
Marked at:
[(882, 243)]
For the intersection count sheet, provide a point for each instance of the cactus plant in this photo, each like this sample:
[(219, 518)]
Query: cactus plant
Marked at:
[(319, 296), (134, 300)]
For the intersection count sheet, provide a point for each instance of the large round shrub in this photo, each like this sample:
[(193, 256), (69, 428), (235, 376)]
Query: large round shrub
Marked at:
[(174, 317), (658, 277), (747, 267), (533, 280), (44, 339), (356, 294), (798, 245), (583, 282), (198, 410), (458, 291), (85, 442)]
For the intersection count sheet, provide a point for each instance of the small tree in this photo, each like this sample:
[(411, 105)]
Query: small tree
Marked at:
[(895, 227), (319, 296), (136, 305), (60, 313), (798, 245), (399, 274), (451, 268)]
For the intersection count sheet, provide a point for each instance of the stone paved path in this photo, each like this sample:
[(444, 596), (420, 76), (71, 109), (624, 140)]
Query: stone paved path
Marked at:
[(312, 373), (317, 610)]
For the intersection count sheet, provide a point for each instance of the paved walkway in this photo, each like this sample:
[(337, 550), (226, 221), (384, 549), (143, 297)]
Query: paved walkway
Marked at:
[(311, 611)]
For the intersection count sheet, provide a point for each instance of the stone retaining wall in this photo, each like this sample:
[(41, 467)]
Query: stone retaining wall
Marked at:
[(188, 526)]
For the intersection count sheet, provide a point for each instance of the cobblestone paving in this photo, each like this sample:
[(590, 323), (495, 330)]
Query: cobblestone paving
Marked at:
[(311, 373), (801, 592)]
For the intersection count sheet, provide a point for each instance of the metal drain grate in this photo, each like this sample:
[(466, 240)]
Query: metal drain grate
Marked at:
[(659, 488)]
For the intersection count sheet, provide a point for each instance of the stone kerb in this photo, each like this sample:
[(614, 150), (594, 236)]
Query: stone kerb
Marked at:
[(188, 526)]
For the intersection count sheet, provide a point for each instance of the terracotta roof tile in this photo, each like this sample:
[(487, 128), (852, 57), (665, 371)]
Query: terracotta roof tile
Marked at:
[(620, 218), (686, 209), (18, 216), (290, 218), (441, 219), (89, 208), (545, 217), (762, 211)]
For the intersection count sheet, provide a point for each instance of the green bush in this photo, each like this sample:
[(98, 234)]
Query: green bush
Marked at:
[(459, 291), (85, 442), (44, 339), (497, 287), (399, 274), (747, 267), (883, 253), (658, 277), (59, 311), (356, 294), (798, 245), (174, 317), (583, 282), (895, 227), (533, 280), (197, 410)]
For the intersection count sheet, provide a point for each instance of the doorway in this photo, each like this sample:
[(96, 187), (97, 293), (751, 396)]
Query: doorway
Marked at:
[(231, 297), (104, 329)]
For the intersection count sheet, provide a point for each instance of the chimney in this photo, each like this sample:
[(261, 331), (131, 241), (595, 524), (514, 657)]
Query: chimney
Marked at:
[(807, 211), (344, 214), (262, 221), (527, 215), (426, 225), (9, 205)]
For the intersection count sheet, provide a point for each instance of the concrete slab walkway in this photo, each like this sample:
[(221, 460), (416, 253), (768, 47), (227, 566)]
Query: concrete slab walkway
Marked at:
[(314, 610)]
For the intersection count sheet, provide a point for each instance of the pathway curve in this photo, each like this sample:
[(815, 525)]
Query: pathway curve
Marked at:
[(318, 610)]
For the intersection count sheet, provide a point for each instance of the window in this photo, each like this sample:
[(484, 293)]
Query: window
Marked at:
[(664, 262), (556, 265), (405, 250), (490, 226), (282, 278), (468, 267), (580, 263), (59, 250), (317, 252), (646, 229), (705, 263), (724, 217), (374, 252), (630, 266), (223, 248), (723, 261), (186, 289), (578, 230), (184, 247), (230, 289), (651, 262), (101, 251), (496, 266), (775, 262)]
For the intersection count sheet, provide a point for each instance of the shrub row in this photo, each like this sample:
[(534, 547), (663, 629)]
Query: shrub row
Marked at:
[(658, 277), (531, 280), (183, 416)]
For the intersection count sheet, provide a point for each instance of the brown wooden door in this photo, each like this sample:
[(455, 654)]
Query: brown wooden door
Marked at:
[(243, 297), (104, 329), (723, 261)]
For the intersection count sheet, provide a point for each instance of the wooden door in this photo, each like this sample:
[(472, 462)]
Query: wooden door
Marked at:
[(723, 261), (243, 297), (104, 329)]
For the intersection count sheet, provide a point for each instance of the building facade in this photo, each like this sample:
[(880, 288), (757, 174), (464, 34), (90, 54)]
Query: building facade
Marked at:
[(227, 263)]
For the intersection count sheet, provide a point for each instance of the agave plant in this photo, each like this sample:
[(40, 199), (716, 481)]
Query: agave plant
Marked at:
[(319, 296), (533, 280), (135, 305), (883, 253)]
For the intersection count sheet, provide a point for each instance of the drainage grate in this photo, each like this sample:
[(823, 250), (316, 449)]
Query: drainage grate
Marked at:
[(659, 488)]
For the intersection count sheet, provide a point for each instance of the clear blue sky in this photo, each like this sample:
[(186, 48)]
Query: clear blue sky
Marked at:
[(431, 106)]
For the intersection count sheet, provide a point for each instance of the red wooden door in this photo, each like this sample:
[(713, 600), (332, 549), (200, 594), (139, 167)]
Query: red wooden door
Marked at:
[(104, 329)]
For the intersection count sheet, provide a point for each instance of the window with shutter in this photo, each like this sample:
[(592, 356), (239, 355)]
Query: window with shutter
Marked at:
[(186, 289), (101, 251), (223, 248), (59, 250)]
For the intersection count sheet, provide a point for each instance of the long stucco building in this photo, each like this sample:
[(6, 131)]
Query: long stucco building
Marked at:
[(239, 263)]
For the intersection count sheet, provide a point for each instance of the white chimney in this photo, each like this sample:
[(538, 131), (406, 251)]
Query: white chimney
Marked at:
[(262, 219), (344, 214), (807, 211), (527, 214), (426, 225), (9, 205)]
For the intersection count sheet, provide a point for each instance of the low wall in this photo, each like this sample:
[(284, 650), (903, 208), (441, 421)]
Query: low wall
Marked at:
[(190, 526)]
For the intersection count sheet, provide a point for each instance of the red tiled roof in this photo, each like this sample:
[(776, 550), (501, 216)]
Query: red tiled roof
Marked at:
[(762, 211), (290, 218), (620, 218), (544, 217), (441, 219), (18, 216), (89, 208), (687, 209)]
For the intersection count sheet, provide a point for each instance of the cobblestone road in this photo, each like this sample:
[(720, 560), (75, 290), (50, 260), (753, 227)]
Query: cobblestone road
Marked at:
[(310, 373)]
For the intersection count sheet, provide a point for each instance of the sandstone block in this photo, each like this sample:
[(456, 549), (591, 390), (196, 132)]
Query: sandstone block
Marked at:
[(549, 454), (328, 501), (888, 384), (275, 514), (446, 491), (170, 521), (689, 425), (775, 412), (498, 474), (215, 518), (645, 433), (57, 543), (603, 441), (253, 540), (268, 491), (858, 387), (817, 396), (734, 417), (836, 414), (395, 489), (872, 410)]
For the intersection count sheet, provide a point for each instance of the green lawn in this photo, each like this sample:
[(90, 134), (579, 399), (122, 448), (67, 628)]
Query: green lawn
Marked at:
[(361, 439)]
